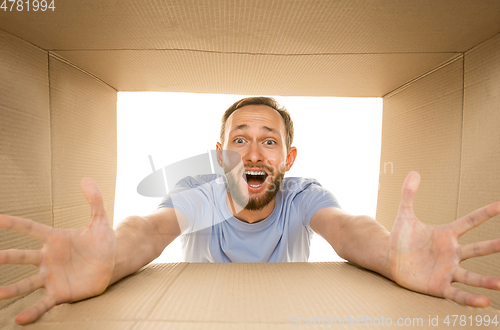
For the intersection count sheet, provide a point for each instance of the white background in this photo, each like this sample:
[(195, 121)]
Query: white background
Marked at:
[(338, 142)]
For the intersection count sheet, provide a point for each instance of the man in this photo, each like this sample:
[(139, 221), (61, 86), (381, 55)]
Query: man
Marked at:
[(254, 202)]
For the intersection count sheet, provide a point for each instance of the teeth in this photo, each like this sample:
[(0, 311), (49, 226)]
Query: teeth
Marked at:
[(255, 173)]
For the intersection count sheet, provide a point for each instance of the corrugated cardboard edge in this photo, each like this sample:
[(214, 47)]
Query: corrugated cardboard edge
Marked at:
[(250, 296), (411, 82), (480, 175), (481, 193), (84, 142), (24, 146), (17, 271)]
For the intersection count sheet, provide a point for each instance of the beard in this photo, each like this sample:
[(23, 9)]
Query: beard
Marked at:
[(242, 198)]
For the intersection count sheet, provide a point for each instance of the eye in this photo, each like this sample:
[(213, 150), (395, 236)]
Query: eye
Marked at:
[(270, 142), (239, 140)]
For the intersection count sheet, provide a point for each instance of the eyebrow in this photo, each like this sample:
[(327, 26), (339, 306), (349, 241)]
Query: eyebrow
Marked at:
[(266, 128)]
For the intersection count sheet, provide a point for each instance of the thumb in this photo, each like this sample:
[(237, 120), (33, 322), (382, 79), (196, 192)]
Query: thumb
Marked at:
[(410, 187), (94, 197)]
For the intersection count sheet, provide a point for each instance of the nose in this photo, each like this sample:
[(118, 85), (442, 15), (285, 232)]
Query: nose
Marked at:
[(254, 154)]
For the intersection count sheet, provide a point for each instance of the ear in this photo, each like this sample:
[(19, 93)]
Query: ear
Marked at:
[(220, 160), (290, 158)]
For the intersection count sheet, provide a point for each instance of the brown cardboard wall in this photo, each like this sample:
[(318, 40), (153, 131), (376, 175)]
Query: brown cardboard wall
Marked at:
[(279, 27), (24, 146), (256, 74), (58, 124), (322, 47), (217, 296), (480, 174), (421, 130), (83, 119), (453, 139)]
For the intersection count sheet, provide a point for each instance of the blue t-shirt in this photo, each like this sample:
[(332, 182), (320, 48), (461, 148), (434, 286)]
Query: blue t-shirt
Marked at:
[(215, 235)]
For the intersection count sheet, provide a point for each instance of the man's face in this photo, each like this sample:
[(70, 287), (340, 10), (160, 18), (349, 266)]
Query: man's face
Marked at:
[(258, 134)]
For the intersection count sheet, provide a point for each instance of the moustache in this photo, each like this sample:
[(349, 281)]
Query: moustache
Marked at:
[(269, 169)]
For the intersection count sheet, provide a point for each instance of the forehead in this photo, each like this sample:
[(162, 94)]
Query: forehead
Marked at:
[(256, 116)]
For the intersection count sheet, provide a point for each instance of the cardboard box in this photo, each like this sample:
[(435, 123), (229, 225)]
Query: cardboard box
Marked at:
[(255, 296), (436, 64)]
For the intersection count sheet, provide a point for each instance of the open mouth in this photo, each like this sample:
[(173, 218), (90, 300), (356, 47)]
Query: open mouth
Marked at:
[(255, 179)]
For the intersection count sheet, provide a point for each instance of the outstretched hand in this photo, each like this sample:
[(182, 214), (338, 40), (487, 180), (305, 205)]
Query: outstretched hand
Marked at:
[(427, 258), (73, 264)]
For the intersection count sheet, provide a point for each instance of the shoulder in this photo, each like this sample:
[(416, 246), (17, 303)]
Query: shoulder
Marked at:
[(307, 192), (199, 180), (200, 186), (306, 196), (195, 191), (295, 185)]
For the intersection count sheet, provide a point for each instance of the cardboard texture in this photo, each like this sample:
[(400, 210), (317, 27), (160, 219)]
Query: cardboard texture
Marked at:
[(83, 142), (452, 139), (257, 26), (480, 175), (421, 130), (24, 146), (323, 48), (437, 65), (57, 127), (249, 296), (173, 71)]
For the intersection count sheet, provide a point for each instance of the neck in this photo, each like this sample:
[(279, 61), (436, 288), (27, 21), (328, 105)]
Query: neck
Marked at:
[(246, 215)]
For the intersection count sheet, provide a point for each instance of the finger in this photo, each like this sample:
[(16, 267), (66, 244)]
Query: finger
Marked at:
[(410, 187), (465, 298), (27, 285), (474, 219), (20, 257), (25, 226), (481, 281), (480, 249), (36, 310), (93, 196)]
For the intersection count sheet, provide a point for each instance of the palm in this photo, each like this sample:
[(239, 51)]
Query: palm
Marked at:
[(427, 258), (80, 262), (74, 264)]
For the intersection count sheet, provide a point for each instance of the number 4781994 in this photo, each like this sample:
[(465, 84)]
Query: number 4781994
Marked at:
[(28, 5)]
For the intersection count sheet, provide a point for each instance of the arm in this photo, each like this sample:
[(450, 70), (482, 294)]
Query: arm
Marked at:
[(417, 256), (358, 239), (75, 264), (140, 240)]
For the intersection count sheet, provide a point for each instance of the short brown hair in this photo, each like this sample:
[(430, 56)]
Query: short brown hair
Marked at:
[(260, 100)]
